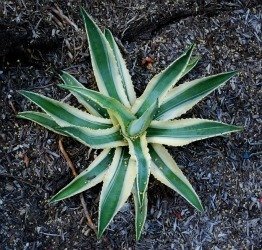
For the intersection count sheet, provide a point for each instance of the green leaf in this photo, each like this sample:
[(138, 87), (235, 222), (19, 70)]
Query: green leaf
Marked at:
[(43, 120), (88, 178), (100, 138), (165, 169), (185, 131), (92, 107), (139, 126), (124, 73), (122, 114), (162, 83), (191, 64), (118, 183), (139, 153), (66, 115), (103, 62), (141, 212), (182, 98)]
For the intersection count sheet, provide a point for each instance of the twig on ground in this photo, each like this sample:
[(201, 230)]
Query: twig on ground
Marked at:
[(59, 13), (12, 106), (72, 167)]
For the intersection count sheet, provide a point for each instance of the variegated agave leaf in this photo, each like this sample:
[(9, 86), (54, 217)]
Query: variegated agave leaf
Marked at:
[(130, 131)]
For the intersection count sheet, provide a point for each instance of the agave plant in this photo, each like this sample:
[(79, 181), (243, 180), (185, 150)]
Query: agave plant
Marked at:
[(129, 130)]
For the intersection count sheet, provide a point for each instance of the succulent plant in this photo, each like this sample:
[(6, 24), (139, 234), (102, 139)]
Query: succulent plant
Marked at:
[(130, 131)]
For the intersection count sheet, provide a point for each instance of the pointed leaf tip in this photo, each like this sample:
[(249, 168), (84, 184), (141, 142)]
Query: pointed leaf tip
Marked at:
[(107, 32), (165, 169), (103, 61), (117, 187), (162, 83), (122, 68), (88, 178), (82, 10), (201, 208), (239, 128)]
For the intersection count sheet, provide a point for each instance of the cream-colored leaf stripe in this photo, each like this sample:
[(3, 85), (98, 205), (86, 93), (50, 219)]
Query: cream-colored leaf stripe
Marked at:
[(124, 73), (185, 131), (162, 83), (92, 107), (103, 62), (182, 98), (139, 153), (191, 64), (117, 187), (117, 109), (140, 212), (64, 114), (93, 175), (42, 119), (165, 169), (99, 139)]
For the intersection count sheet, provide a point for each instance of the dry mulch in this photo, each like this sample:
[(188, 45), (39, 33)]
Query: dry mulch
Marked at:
[(225, 171)]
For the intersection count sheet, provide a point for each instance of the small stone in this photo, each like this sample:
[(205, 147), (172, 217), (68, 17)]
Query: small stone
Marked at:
[(9, 187)]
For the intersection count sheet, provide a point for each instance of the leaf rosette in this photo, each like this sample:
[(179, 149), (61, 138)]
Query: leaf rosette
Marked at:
[(130, 131)]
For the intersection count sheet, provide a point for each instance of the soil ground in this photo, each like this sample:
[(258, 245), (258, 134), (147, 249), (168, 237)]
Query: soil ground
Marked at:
[(225, 171)]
